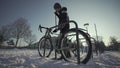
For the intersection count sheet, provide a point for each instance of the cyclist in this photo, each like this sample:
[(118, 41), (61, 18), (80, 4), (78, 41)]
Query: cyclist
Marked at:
[(61, 13)]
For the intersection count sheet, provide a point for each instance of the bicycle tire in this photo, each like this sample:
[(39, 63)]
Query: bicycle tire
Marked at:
[(71, 48), (46, 44)]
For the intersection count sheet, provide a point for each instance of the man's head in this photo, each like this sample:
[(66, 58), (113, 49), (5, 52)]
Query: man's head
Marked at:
[(57, 7)]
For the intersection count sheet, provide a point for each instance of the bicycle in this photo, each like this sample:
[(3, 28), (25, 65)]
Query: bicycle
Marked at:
[(80, 49)]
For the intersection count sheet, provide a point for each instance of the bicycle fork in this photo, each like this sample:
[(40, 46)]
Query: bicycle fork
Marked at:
[(57, 45), (56, 49), (55, 53)]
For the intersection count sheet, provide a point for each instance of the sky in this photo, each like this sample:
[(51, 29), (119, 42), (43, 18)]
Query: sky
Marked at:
[(104, 13)]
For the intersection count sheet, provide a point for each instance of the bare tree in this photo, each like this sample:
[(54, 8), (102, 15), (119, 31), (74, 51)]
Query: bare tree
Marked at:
[(1, 39), (114, 43), (30, 39), (4, 33), (20, 29)]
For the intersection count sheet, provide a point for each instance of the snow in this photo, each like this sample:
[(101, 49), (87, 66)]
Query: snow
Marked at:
[(27, 58)]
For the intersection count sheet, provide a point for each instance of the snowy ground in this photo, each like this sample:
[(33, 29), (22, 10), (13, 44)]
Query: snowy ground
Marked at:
[(25, 58)]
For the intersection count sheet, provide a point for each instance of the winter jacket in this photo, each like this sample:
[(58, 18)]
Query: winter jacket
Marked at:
[(63, 18)]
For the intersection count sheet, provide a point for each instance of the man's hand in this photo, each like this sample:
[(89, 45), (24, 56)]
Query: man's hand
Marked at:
[(55, 30)]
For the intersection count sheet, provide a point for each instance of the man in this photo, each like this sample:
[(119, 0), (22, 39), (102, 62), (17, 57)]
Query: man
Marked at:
[(61, 13)]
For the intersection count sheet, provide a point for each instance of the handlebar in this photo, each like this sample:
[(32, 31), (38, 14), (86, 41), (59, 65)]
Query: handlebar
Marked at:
[(40, 27), (71, 21)]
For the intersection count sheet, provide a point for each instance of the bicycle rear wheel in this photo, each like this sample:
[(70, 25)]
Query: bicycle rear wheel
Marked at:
[(69, 46), (45, 47)]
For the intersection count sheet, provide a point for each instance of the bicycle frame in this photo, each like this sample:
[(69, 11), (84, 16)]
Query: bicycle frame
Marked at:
[(47, 34)]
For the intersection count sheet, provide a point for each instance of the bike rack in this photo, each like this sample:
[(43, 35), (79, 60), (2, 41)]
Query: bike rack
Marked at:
[(71, 21)]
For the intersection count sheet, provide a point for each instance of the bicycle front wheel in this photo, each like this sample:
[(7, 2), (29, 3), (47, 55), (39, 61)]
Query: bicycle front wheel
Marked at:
[(69, 46), (45, 47)]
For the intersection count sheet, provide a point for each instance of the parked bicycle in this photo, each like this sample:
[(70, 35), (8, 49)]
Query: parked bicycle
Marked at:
[(75, 41)]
